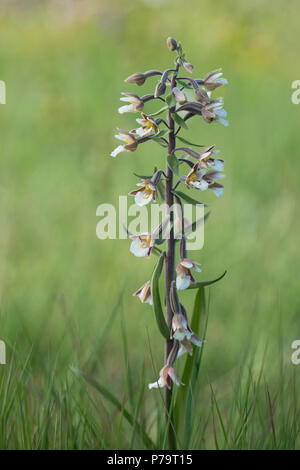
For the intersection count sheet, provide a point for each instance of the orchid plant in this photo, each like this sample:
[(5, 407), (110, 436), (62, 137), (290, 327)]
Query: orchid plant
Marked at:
[(182, 98)]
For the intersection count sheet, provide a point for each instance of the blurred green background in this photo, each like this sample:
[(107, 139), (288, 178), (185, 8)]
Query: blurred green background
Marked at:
[(61, 288)]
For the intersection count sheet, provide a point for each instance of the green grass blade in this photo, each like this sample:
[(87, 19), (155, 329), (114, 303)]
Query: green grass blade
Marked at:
[(112, 399), (219, 414), (199, 305)]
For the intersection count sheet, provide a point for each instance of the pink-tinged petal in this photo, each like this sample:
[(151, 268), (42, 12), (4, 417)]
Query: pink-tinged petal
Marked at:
[(182, 281), (149, 251), (137, 249), (134, 192), (187, 263)]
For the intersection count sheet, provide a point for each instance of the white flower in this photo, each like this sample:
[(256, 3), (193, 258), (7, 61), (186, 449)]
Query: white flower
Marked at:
[(211, 177), (148, 126), (207, 160), (145, 193), (167, 375), (130, 143), (214, 112), (182, 332), (144, 293), (136, 104), (184, 275), (214, 80), (142, 245), (194, 179)]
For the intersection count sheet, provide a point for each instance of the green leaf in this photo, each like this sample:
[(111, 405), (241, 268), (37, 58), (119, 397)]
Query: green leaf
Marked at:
[(159, 315), (159, 141), (196, 285), (173, 163), (186, 198), (187, 142), (161, 191), (179, 120), (198, 310), (160, 111), (184, 84), (110, 397), (161, 134), (143, 177), (170, 99)]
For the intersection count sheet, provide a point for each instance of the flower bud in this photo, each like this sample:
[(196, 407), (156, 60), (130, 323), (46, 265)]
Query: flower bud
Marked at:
[(188, 67), (160, 89), (179, 95), (174, 301), (201, 96), (172, 44), (138, 78)]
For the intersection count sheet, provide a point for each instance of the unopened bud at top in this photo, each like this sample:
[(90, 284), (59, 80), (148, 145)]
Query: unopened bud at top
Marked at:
[(138, 78), (172, 44)]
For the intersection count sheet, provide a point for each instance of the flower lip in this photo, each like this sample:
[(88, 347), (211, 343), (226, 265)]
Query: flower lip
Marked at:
[(148, 126), (167, 375), (145, 194)]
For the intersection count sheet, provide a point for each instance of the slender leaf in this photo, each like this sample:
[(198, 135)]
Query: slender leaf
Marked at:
[(187, 142), (196, 285), (186, 198), (184, 84), (143, 177), (160, 111), (159, 315), (170, 99), (159, 140), (178, 119), (219, 414)]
